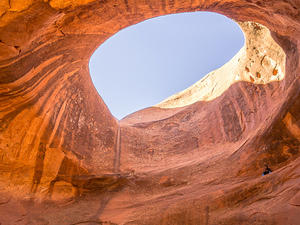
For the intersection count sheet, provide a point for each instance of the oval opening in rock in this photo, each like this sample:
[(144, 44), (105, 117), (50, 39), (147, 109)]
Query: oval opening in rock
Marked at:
[(145, 63)]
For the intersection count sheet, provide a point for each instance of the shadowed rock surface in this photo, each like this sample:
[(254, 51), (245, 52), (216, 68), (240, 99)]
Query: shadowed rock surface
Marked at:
[(196, 158)]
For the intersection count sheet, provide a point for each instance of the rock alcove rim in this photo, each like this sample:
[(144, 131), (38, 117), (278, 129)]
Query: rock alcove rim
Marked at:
[(184, 47)]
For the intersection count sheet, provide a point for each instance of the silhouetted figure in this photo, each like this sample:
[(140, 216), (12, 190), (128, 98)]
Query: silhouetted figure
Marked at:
[(267, 170)]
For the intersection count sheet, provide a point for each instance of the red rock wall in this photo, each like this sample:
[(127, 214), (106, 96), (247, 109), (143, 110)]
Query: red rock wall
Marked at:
[(198, 164)]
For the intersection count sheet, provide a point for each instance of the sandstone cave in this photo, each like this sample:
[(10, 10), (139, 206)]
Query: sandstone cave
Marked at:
[(194, 159)]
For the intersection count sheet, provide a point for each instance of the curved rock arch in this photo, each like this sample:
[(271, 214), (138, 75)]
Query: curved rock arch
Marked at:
[(54, 126)]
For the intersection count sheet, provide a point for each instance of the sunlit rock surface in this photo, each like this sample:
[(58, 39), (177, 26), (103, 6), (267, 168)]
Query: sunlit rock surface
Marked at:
[(196, 158)]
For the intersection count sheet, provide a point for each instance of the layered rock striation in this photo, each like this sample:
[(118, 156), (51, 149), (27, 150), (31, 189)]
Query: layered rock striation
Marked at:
[(195, 158)]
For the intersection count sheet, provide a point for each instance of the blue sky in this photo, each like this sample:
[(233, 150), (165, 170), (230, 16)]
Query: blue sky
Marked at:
[(143, 64)]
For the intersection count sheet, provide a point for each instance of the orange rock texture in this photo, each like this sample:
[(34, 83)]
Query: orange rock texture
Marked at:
[(194, 159)]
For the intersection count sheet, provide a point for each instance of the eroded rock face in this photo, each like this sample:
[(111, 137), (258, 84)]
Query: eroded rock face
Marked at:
[(196, 158)]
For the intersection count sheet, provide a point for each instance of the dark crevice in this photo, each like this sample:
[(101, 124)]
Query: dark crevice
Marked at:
[(297, 205), (3, 14), (62, 32), (59, 29), (13, 46), (261, 61), (94, 221)]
